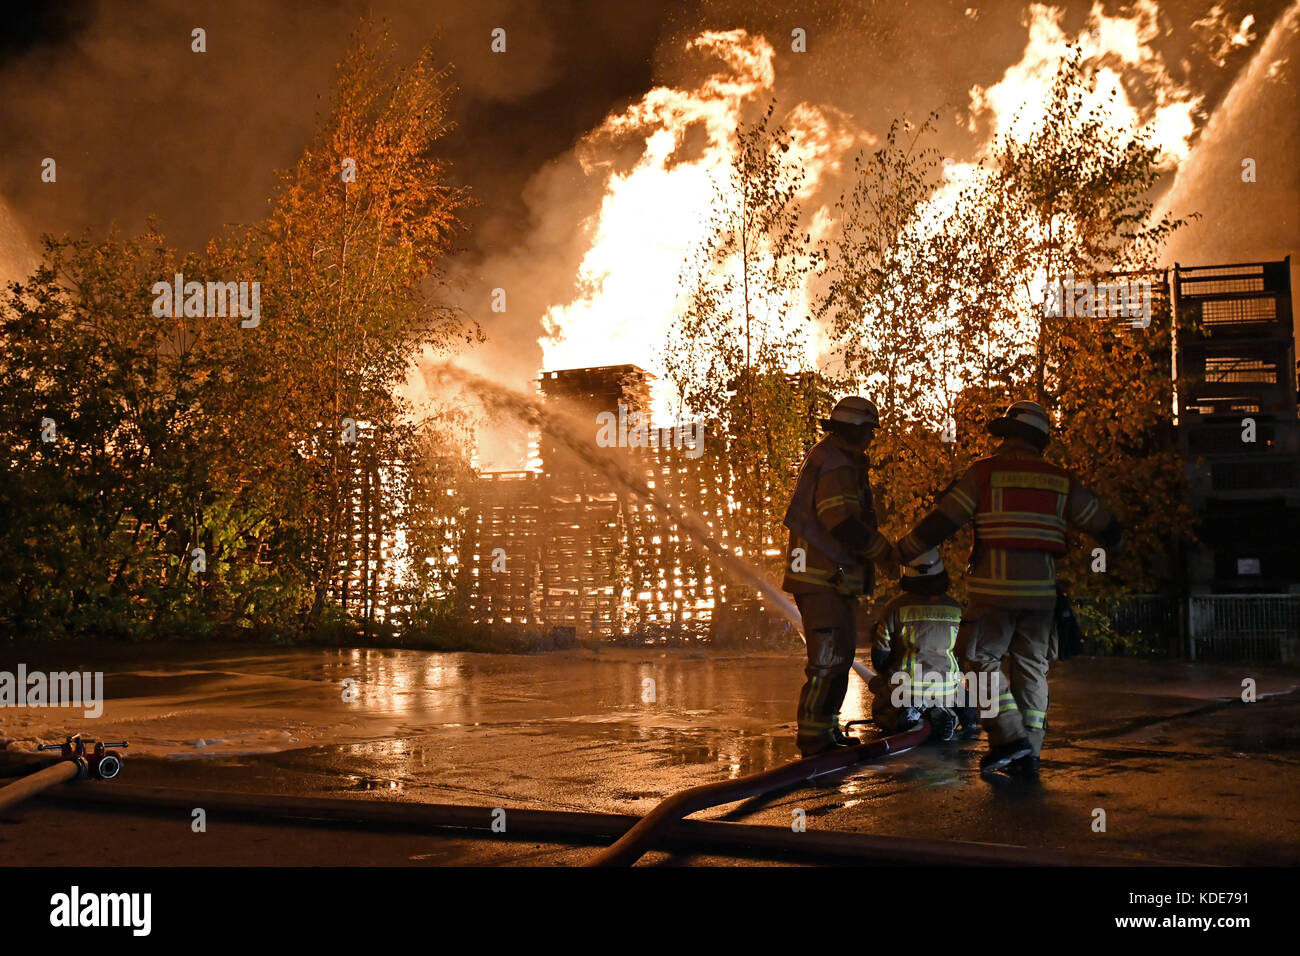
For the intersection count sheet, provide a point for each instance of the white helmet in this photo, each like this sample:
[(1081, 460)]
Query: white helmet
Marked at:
[(924, 565)]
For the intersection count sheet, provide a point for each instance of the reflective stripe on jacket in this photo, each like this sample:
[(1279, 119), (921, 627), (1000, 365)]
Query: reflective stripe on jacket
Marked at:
[(833, 487), (914, 637), (1020, 506)]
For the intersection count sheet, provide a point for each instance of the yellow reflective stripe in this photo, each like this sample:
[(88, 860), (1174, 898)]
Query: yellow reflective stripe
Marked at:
[(1087, 511), (1006, 703), (931, 686), (878, 547), (963, 500), (1030, 479), (834, 501), (939, 613), (912, 545), (1018, 519), (1032, 517), (1009, 593), (807, 717), (1002, 586), (1021, 534)]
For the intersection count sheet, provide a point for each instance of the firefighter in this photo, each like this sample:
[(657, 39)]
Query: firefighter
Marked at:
[(833, 542), (1020, 505), (917, 677)]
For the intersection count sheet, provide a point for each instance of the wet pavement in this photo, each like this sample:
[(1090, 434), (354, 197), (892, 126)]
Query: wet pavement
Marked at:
[(1182, 768)]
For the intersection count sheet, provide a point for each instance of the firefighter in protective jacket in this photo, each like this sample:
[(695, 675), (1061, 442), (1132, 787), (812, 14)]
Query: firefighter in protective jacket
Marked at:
[(912, 651), (833, 542), (1020, 505)]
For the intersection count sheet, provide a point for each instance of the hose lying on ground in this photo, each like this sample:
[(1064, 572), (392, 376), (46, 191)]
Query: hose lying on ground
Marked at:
[(29, 786), (567, 827), (630, 847)]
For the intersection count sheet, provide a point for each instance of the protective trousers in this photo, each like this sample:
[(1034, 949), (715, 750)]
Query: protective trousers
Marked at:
[(988, 634), (832, 635)]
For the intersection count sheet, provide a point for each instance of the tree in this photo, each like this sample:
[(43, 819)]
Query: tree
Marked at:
[(890, 290), (197, 473), (1069, 203), (347, 263), (738, 353), (938, 300)]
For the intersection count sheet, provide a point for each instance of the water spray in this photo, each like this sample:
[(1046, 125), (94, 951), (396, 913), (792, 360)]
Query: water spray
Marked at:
[(567, 429)]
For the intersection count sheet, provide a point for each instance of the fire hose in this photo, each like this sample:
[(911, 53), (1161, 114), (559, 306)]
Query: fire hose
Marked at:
[(630, 847), (75, 764)]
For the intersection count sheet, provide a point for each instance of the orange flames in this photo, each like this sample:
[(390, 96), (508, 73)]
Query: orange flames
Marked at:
[(654, 211)]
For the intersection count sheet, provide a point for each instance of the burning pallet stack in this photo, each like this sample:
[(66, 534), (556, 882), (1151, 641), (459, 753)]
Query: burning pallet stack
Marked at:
[(573, 551)]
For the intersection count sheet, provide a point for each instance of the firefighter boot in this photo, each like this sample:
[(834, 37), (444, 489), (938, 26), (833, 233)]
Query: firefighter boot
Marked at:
[(1000, 755), (841, 738), (943, 724), (1025, 767), (970, 723), (901, 719)]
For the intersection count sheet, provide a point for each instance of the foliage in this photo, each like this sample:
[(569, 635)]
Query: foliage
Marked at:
[(936, 297), (198, 432), (739, 346)]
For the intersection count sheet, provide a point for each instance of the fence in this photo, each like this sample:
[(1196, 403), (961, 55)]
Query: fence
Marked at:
[(1212, 627), (1263, 627)]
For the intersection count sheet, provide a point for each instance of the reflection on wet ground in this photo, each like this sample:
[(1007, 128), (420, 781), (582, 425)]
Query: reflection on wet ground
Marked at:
[(1183, 769)]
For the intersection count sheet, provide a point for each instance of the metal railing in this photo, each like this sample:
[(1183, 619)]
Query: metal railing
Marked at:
[(1210, 627), (1263, 627)]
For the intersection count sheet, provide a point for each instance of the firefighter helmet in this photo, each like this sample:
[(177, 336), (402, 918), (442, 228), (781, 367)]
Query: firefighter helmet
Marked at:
[(924, 565), (1027, 421), (854, 410)]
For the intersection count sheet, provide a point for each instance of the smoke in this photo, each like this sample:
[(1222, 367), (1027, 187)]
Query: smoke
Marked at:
[(588, 143), (17, 254), (573, 433), (141, 125), (1247, 220)]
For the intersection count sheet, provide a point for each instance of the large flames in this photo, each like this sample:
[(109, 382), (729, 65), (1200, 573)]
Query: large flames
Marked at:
[(654, 210)]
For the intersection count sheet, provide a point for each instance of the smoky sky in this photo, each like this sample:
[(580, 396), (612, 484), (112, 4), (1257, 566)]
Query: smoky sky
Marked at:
[(140, 125)]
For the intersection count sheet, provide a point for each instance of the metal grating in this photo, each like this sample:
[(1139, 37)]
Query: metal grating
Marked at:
[(1220, 312), (1262, 627)]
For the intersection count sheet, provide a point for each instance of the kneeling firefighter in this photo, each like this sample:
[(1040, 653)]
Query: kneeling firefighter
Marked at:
[(1021, 506), (917, 677), (833, 542)]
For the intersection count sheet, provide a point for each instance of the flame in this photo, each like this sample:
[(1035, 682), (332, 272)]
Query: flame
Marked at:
[(654, 209), (1119, 49), (655, 213)]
